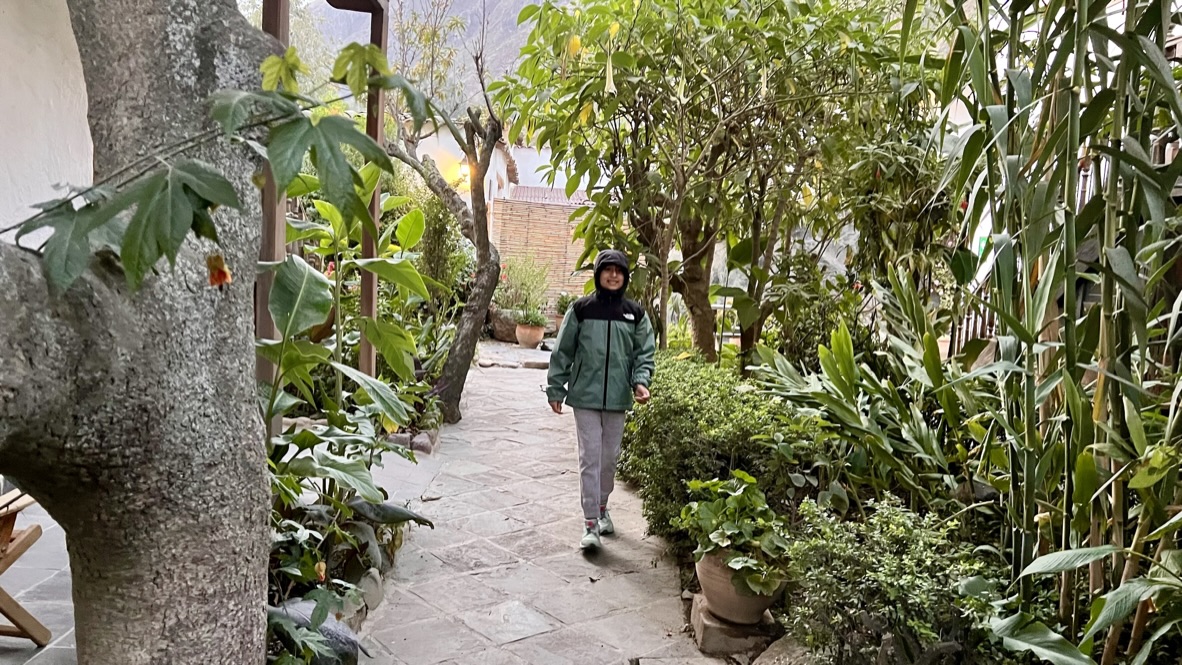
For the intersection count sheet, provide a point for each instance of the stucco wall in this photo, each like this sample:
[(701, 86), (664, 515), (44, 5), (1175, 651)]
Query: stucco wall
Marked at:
[(44, 138)]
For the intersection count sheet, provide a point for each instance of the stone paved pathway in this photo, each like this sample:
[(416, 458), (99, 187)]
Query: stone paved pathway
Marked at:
[(500, 580)]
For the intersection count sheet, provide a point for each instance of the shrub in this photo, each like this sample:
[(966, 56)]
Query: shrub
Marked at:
[(523, 284), (445, 255), (699, 424), (890, 582)]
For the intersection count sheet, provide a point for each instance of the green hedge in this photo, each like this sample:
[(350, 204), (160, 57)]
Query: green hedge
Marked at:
[(699, 425)]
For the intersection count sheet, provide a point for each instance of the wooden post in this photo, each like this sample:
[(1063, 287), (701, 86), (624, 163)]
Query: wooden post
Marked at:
[(276, 22), (379, 32)]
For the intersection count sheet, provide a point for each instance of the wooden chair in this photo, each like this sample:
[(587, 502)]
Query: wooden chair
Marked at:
[(13, 544)]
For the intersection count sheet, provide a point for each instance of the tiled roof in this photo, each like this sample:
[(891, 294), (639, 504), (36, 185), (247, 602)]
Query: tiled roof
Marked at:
[(550, 195)]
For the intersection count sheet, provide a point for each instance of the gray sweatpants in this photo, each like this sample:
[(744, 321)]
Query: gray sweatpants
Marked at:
[(600, 433)]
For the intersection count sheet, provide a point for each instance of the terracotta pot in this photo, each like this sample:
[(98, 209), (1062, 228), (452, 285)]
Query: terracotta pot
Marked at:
[(530, 336), (724, 600)]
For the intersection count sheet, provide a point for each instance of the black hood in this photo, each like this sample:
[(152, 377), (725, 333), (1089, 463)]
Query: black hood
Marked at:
[(612, 257)]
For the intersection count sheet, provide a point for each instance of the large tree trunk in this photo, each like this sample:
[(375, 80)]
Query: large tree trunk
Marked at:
[(693, 283), (132, 417), (463, 349)]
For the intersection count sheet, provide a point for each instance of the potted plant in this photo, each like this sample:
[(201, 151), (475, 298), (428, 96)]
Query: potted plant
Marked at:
[(563, 303), (531, 328), (741, 547)]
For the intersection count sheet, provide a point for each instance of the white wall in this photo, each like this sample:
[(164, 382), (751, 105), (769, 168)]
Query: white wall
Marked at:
[(44, 138)]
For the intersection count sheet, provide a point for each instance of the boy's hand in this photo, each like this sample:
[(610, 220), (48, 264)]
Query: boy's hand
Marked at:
[(556, 407), (642, 394)]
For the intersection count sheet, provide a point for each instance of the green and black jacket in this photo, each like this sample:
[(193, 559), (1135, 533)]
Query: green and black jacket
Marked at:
[(605, 349)]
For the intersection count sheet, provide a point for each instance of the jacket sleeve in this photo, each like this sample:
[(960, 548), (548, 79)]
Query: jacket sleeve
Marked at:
[(645, 346), (562, 358)]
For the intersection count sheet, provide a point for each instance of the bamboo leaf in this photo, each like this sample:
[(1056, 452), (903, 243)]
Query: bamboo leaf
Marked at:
[(1058, 562), (1121, 602)]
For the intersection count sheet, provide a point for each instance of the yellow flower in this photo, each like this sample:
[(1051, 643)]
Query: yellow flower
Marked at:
[(585, 113), (574, 45), (614, 30)]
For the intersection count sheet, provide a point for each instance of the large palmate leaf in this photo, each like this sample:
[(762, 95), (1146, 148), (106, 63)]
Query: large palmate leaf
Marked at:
[(339, 181)]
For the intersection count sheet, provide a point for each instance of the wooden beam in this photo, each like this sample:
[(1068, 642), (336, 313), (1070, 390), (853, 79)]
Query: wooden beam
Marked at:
[(375, 115), (364, 6), (23, 623), (277, 23)]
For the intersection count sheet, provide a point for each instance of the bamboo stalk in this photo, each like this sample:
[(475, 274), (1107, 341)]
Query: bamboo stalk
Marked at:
[(1132, 565)]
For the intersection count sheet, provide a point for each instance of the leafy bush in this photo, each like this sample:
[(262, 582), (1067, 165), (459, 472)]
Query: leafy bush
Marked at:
[(809, 304), (699, 424), (523, 284), (890, 582), (445, 255)]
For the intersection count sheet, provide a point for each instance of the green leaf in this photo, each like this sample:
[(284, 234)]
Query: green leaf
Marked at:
[(1169, 527), (398, 271), (169, 204), (67, 252), (390, 202), (395, 344), (382, 395), (387, 513), (232, 108), (352, 66), (931, 360), (282, 70), (1097, 109), (1021, 633), (1058, 562), (302, 185), (416, 102), (301, 297), (337, 176), (1136, 428), (351, 473), (206, 183), (1120, 603), (289, 142), (411, 227)]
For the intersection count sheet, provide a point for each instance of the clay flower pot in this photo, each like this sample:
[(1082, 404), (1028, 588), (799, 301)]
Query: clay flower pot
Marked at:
[(724, 600), (530, 336)]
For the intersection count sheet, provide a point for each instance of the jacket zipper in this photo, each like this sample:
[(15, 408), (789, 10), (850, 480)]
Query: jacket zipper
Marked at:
[(607, 363)]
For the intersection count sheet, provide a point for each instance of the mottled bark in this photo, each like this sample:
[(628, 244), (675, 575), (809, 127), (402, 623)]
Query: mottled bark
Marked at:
[(132, 416), (693, 282)]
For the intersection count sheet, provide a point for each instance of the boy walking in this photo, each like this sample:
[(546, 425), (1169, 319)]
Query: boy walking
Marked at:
[(603, 360)]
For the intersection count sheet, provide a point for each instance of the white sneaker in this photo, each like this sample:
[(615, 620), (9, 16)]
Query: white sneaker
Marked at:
[(590, 539), (606, 527)]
